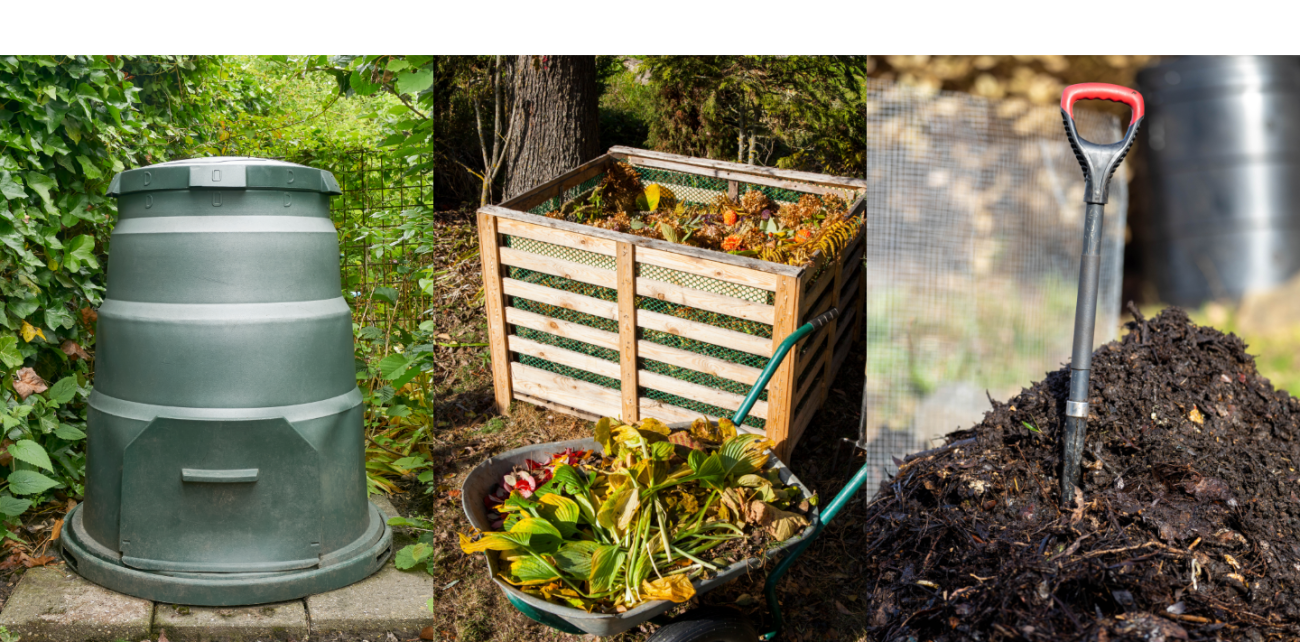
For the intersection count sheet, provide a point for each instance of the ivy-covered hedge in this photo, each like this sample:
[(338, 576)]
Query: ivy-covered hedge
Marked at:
[(67, 125)]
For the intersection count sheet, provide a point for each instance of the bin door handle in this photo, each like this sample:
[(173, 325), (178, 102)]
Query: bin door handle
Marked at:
[(229, 476)]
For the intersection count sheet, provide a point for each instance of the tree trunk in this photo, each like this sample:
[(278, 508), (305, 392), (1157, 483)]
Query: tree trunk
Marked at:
[(555, 124)]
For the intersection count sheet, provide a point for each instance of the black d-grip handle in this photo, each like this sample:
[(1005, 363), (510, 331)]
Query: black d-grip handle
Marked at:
[(1099, 161)]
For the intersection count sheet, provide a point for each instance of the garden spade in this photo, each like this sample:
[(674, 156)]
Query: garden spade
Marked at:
[(1099, 163)]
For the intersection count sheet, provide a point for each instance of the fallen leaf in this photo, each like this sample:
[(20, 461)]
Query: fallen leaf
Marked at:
[(683, 438), (162, 635), (56, 530), (74, 351), (781, 525), (454, 494), (675, 588), (427, 633), (88, 317), (840, 607), (31, 332), (32, 562), (29, 383), (444, 336), (1196, 416)]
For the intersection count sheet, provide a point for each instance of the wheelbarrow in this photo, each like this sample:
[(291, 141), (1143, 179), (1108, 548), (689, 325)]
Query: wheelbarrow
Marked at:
[(701, 625)]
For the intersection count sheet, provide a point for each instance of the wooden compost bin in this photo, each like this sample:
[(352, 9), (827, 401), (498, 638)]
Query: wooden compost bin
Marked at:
[(595, 323)]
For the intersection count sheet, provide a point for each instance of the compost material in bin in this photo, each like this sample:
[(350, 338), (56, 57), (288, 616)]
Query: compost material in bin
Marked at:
[(1187, 529)]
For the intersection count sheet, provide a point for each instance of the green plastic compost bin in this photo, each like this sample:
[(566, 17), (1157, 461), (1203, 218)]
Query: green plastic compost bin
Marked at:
[(226, 455)]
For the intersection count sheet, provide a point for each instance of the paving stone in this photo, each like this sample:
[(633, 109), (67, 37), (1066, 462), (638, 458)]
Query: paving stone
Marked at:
[(390, 601), (262, 623), (53, 604)]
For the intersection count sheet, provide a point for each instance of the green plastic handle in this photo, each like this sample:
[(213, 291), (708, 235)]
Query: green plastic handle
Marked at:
[(775, 362)]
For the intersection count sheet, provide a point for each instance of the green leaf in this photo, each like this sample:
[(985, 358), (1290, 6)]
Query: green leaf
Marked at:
[(42, 183), (80, 250), (574, 558), (529, 570), (11, 188), (29, 482), (398, 64), (58, 318), (541, 535), (32, 453), (70, 433), (23, 308), (62, 391), (414, 82), (410, 463), (393, 366), (411, 555), (88, 168), (11, 506), (401, 521), (605, 562), (9, 352), (385, 294)]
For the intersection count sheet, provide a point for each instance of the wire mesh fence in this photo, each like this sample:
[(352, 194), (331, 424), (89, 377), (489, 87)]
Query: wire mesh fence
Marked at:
[(974, 229), (379, 258)]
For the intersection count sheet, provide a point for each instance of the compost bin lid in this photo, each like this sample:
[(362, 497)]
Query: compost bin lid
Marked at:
[(224, 172)]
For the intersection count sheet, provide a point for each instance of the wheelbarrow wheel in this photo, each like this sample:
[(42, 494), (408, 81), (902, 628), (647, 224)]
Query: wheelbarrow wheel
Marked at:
[(707, 625)]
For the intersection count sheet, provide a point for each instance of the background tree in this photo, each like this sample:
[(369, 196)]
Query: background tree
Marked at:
[(555, 123)]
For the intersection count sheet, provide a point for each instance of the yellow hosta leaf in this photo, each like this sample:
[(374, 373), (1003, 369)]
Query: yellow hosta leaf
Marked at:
[(603, 436), (674, 588), (780, 524), (30, 332), (654, 425), (489, 542)]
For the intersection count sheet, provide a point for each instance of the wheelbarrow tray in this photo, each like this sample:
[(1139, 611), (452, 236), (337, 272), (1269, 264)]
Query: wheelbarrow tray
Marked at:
[(487, 474)]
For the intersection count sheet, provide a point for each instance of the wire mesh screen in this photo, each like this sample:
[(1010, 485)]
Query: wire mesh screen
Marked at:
[(378, 258), (975, 223)]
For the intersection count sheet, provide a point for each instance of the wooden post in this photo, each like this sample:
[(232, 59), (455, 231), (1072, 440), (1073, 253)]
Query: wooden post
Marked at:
[(626, 266), (780, 396), (831, 330), (733, 190), (495, 303)]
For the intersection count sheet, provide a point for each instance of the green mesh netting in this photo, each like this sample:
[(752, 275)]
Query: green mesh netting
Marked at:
[(585, 257), (575, 373), (703, 408)]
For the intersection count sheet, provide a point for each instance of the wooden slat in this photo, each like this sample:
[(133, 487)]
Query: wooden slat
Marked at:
[(702, 394), (814, 304), (566, 329), (495, 303), (709, 301), (645, 318), (640, 241), (823, 360), (816, 341), (704, 332), (841, 353), (699, 363), (568, 391), (780, 397), (668, 413), (674, 356), (833, 330), (558, 267), (561, 298), (845, 324), (556, 186), (620, 151), (561, 408), (627, 313), (801, 424), (564, 357), (848, 291), (755, 179), (556, 236), (707, 268)]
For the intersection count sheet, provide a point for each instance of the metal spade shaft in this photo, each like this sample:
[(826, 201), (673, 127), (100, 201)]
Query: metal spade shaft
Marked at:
[(1099, 163)]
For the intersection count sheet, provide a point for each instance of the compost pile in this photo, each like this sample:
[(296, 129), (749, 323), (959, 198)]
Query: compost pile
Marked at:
[(1187, 527), (750, 225), (605, 533)]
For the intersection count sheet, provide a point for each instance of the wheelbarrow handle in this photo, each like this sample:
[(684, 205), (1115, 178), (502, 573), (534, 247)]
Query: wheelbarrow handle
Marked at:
[(777, 357), (1100, 161)]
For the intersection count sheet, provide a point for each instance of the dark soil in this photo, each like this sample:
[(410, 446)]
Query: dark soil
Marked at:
[(1187, 529)]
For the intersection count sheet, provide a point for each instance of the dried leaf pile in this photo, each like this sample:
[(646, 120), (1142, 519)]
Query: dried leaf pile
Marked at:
[(658, 509), (752, 225), (1189, 526)]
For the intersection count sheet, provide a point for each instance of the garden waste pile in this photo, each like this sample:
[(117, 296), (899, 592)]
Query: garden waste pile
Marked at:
[(659, 508), (750, 225), (1187, 528)]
